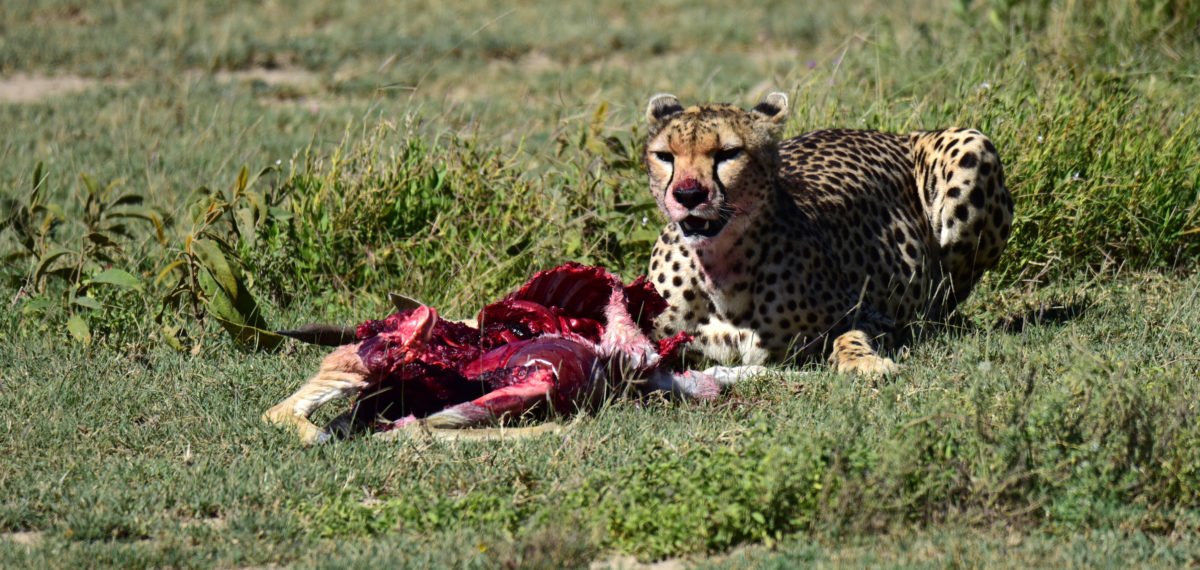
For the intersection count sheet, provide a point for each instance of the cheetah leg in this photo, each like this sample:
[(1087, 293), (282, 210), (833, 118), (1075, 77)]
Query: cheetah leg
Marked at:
[(726, 344), (961, 182), (341, 374), (853, 353)]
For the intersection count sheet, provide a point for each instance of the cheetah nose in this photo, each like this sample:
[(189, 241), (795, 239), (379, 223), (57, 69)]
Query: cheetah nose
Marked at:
[(690, 195)]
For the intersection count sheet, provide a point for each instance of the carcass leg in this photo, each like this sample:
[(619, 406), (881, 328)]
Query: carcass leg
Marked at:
[(688, 384), (730, 375), (341, 374), (697, 385), (509, 401)]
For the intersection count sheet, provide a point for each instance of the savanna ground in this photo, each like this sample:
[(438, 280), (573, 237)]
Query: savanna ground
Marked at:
[(166, 164)]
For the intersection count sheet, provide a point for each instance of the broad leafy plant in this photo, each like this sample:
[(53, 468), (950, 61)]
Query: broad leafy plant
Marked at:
[(66, 265), (206, 277)]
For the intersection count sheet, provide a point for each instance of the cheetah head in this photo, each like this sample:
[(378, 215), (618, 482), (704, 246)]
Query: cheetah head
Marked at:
[(712, 167)]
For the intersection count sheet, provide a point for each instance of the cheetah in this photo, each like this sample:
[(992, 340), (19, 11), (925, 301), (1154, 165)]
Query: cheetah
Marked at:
[(831, 243)]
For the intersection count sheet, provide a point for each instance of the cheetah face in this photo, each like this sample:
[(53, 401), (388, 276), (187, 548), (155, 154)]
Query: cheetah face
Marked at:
[(712, 167)]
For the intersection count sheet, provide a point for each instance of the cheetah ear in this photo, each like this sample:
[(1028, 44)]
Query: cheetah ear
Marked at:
[(661, 108), (773, 108)]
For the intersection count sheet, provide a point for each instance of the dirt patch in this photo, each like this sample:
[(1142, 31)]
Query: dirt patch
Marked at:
[(288, 77), (288, 86), (23, 88), (310, 104), (25, 538)]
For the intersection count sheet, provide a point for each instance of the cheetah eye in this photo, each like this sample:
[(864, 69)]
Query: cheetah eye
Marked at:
[(665, 157), (727, 154)]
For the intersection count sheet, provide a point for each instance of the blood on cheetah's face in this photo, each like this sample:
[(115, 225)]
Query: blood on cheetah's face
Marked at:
[(712, 167)]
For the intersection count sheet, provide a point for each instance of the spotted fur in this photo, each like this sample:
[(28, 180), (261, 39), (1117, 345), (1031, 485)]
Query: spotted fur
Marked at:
[(824, 243)]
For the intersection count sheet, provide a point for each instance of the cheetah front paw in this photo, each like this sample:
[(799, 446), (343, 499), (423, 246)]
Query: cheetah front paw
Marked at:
[(853, 354), (871, 366)]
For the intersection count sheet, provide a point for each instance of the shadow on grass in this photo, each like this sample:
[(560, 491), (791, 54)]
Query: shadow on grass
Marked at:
[(1046, 313), (1053, 312)]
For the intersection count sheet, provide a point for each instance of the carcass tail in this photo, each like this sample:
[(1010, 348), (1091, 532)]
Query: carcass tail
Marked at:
[(324, 335)]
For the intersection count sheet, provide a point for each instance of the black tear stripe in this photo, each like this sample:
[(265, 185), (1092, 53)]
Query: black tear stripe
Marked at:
[(717, 180), (671, 178), (715, 164)]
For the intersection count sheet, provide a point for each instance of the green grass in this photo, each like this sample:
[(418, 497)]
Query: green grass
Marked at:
[(159, 458), (448, 152)]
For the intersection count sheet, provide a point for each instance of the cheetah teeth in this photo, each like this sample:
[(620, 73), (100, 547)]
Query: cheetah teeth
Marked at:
[(702, 227)]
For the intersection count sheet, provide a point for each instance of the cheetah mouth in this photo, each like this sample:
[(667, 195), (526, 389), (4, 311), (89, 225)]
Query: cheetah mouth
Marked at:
[(695, 226)]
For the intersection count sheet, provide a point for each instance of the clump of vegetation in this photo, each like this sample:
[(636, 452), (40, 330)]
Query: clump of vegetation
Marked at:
[(397, 212), (72, 270), (1102, 179)]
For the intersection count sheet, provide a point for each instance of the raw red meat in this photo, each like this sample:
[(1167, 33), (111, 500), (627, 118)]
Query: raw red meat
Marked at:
[(561, 340)]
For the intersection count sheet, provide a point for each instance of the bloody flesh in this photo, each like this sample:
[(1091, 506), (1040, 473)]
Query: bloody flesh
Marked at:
[(559, 340)]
